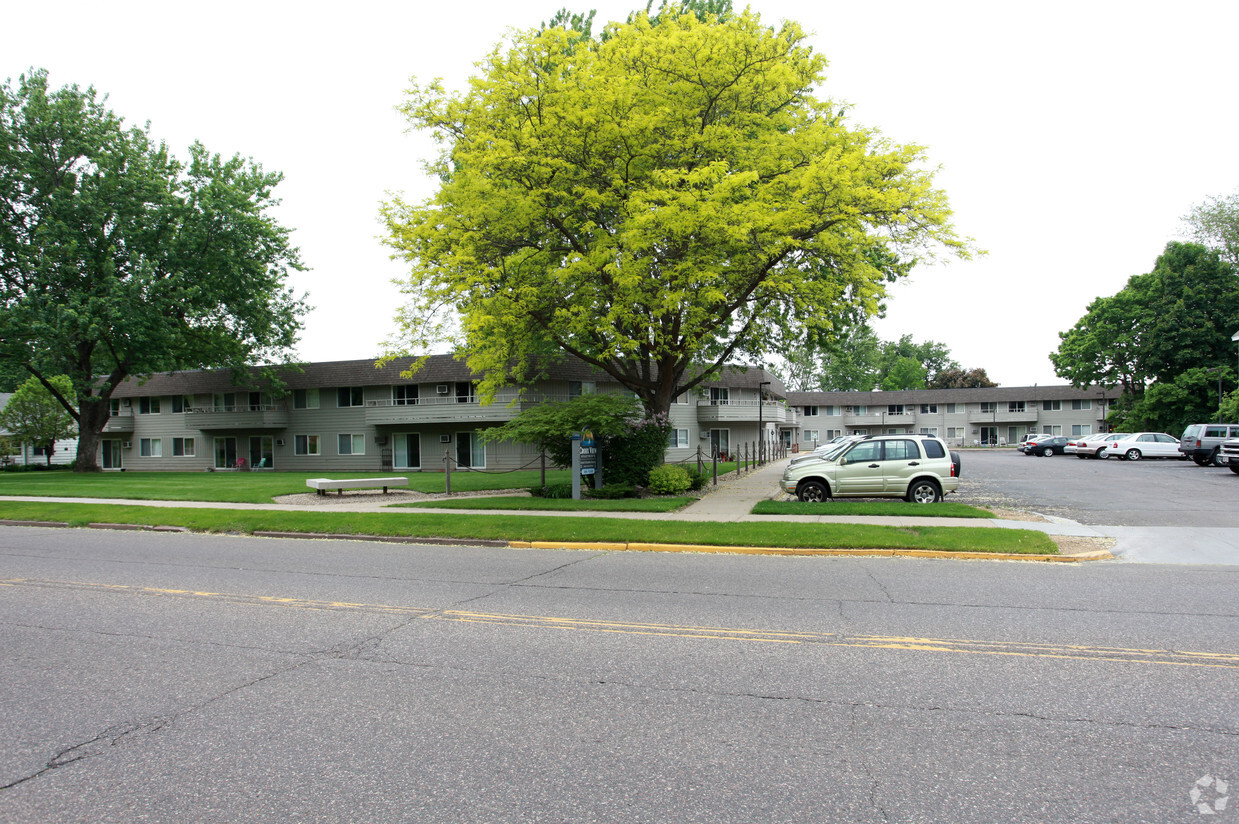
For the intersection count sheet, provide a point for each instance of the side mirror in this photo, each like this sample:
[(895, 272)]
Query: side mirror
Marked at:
[(843, 461)]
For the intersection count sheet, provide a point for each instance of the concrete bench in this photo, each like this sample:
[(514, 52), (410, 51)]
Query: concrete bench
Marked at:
[(321, 485)]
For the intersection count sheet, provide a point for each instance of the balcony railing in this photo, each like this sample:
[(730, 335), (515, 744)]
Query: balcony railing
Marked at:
[(239, 416), (719, 411)]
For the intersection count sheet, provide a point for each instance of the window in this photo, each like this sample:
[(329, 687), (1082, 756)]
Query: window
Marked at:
[(148, 406), (306, 445), (40, 451), (349, 396), (933, 449), (114, 406), (929, 409), (681, 398), (810, 435), (578, 388), (224, 401), (351, 445), (305, 399), (1081, 403), (407, 451), (470, 450), (678, 439), (183, 447), (404, 395), (1051, 406), (950, 408), (466, 392), (865, 451), (853, 410), (1015, 406), (1078, 429), (150, 447), (895, 409), (989, 406), (1053, 430), (719, 395), (810, 411), (929, 430), (829, 410), (955, 433)]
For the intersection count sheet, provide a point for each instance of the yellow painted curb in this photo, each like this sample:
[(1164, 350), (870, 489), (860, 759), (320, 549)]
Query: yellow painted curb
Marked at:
[(771, 550)]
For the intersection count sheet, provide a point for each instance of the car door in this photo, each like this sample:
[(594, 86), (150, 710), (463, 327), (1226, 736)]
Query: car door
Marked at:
[(1166, 446), (901, 460), (859, 471)]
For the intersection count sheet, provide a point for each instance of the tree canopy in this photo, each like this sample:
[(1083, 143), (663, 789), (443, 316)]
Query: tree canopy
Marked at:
[(859, 361), (34, 416), (118, 260), (659, 200), (1159, 338), (1215, 223)]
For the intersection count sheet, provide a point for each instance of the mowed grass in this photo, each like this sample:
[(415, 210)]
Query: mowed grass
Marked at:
[(504, 502), (942, 509), (241, 487), (553, 529)]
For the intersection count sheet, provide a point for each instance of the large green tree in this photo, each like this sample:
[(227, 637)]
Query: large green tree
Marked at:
[(1159, 338), (658, 200), (34, 416), (118, 260), (1215, 223)]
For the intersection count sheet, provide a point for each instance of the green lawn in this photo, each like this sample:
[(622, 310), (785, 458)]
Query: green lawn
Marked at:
[(941, 509), (557, 504), (239, 487), (536, 528)]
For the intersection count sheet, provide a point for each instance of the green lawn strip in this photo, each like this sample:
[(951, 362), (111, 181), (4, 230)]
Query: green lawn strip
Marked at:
[(535, 528), (556, 504), (240, 487), (942, 509)]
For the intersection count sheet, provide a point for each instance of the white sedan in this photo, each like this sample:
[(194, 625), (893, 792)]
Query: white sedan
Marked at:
[(1094, 446), (1145, 445)]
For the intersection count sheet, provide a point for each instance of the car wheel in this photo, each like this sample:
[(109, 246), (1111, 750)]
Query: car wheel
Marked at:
[(1102, 454), (1216, 458), (812, 492), (924, 491), (1234, 468), (959, 470), (1200, 461), (1048, 452), (1132, 455)]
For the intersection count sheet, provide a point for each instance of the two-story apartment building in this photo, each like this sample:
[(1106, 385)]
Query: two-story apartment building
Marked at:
[(964, 417), (352, 416)]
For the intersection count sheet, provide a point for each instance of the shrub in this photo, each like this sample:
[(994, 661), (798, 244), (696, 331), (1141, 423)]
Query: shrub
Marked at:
[(697, 480), (562, 490), (610, 491), (669, 479)]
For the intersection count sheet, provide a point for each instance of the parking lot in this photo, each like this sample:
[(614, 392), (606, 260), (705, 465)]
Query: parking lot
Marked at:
[(1097, 492)]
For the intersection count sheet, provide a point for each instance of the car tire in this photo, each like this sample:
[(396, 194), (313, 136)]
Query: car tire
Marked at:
[(1200, 460), (1234, 468), (1216, 458), (958, 469), (1048, 452), (1132, 455), (1102, 454), (924, 491), (813, 492)]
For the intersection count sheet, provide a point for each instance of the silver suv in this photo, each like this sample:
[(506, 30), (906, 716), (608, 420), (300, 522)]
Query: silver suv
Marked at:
[(1201, 441), (918, 468)]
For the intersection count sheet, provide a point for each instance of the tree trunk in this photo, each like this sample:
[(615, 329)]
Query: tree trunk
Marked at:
[(93, 417)]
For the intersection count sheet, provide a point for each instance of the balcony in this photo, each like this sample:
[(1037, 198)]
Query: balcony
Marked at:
[(241, 416), (120, 422), (1003, 416), (445, 409), (743, 412)]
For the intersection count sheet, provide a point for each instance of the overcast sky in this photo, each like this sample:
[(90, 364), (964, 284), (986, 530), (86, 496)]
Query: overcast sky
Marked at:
[(1071, 137)]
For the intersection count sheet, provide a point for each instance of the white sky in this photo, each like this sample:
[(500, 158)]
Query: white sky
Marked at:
[(1071, 137)]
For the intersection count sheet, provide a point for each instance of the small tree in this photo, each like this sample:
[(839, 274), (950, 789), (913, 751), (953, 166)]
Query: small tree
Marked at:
[(35, 416)]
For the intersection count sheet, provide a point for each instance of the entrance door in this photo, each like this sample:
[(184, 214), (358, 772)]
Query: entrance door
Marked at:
[(225, 453), (720, 440), (111, 454), (262, 452), (989, 435), (407, 451)]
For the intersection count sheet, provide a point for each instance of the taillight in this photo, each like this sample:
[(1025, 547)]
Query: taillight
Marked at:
[(952, 469)]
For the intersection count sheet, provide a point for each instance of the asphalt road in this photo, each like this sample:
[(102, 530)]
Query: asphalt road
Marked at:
[(188, 678), (1122, 493)]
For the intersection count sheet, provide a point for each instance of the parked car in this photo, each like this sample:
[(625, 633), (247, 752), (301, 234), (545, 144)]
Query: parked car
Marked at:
[(1144, 445), (828, 448), (1094, 446), (1201, 441), (918, 468), (1046, 446), (1228, 453), (1031, 436)]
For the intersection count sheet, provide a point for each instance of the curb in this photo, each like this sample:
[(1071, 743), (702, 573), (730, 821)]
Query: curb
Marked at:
[(1097, 555)]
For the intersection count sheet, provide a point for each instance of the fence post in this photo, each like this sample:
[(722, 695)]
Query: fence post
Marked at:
[(447, 470), (544, 469), (715, 467), (700, 469)]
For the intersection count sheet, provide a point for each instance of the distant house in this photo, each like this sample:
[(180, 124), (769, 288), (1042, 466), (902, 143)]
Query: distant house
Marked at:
[(63, 452)]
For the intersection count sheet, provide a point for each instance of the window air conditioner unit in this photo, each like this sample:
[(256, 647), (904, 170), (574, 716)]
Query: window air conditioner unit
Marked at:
[(443, 389), (380, 439), (127, 445), (279, 442), (445, 439)]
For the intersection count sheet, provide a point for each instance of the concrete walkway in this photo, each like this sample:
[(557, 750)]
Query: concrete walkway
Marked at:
[(734, 497)]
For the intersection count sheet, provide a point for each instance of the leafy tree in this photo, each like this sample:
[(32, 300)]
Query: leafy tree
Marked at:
[(1157, 337), (118, 260), (955, 377), (33, 415), (658, 201), (932, 357), (1215, 223), (904, 373)]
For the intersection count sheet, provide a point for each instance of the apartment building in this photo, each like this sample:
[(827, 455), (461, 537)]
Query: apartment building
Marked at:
[(995, 416), (352, 416)]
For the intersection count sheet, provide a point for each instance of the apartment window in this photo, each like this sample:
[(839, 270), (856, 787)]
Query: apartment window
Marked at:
[(350, 444), (681, 398), (470, 450), (929, 409), (150, 447), (114, 406), (810, 411), (349, 396), (955, 433), (1051, 406), (306, 445), (951, 408), (466, 392), (853, 410), (1015, 406), (148, 406), (1079, 429), (832, 433), (183, 447), (895, 409), (929, 430), (989, 406), (224, 401), (180, 404), (810, 435), (1080, 404), (829, 410), (719, 395), (678, 438), (578, 388), (305, 399), (1054, 430), (40, 451), (404, 395)]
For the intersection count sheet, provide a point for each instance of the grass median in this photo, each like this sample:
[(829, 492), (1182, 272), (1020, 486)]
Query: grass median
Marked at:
[(534, 528), (524, 503), (942, 509)]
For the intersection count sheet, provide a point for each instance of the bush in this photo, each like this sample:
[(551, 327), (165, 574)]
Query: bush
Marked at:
[(563, 490), (611, 491), (669, 479), (697, 480)]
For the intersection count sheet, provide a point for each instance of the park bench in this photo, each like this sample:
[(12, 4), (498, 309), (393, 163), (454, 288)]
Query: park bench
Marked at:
[(321, 485)]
